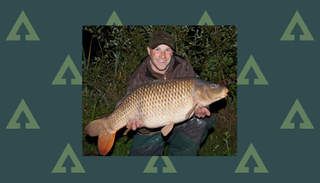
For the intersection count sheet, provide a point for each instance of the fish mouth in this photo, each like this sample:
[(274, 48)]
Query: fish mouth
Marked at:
[(226, 93), (223, 95)]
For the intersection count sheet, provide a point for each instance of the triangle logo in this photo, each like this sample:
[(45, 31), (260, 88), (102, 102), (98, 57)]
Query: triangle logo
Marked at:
[(13, 36), (114, 19), (151, 169), (22, 108), (67, 63), (251, 63), (297, 19), (205, 19), (297, 108), (251, 151), (68, 152)]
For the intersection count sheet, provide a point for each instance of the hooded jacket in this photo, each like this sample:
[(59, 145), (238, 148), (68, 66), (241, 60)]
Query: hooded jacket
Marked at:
[(178, 68)]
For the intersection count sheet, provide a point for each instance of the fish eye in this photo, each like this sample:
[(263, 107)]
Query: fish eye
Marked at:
[(214, 86)]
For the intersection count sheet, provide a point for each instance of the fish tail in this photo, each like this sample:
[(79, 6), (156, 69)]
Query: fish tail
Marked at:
[(105, 142), (106, 139)]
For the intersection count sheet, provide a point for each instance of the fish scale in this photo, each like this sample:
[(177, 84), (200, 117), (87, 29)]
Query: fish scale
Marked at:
[(154, 107), (156, 104)]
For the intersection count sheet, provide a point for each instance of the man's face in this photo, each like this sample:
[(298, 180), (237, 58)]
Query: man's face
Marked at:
[(160, 57)]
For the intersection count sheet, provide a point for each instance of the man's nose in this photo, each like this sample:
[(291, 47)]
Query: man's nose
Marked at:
[(162, 54)]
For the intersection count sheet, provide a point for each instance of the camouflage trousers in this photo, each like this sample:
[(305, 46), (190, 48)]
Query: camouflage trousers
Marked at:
[(184, 140)]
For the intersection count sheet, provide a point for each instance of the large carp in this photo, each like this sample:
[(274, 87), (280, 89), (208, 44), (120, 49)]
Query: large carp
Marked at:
[(156, 104)]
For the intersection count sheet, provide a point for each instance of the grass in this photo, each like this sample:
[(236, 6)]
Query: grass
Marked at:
[(222, 139)]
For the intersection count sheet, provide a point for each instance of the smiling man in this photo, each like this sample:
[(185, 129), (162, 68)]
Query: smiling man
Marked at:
[(186, 137), (160, 50), (160, 58)]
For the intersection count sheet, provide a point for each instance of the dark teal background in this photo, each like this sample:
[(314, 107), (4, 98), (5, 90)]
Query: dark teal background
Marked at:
[(27, 69)]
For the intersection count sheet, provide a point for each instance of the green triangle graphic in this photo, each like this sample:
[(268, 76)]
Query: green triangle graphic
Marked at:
[(68, 63), (297, 19), (13, 122), (13, 33), (68, 151), (114, 19), (251, 151), (205, 19), (150, 169), (251, 63), (297, 108), (170, 168)]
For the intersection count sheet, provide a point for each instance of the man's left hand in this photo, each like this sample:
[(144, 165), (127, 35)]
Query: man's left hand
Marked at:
[(201, 112)]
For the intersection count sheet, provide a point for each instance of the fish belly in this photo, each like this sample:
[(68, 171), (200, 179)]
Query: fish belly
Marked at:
[(166, 114), (155, 104)]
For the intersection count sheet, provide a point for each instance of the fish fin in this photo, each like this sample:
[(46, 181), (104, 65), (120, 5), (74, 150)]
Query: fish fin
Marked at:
[(120, 102), (167, 129), (105, 142), (106, 139), (190, 113), (94, 127), (128, 128)]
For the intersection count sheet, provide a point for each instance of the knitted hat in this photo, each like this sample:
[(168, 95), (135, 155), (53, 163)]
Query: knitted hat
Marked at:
[(160, 37)]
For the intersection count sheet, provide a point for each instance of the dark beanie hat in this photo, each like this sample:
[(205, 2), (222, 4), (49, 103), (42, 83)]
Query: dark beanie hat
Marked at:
[(160, 37)]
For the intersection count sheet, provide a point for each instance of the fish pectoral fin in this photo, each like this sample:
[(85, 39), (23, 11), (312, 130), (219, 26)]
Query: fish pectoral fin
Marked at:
[(129, 127), (190, 113), (167, 129)]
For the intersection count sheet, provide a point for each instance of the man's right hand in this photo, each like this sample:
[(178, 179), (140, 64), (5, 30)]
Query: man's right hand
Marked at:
[(134, 124)]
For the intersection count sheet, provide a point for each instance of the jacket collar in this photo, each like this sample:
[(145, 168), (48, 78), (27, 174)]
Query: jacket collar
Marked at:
[(150, 73)]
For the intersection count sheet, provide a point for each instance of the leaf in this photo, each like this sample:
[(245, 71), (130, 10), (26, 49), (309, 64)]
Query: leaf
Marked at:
[(230, 61)]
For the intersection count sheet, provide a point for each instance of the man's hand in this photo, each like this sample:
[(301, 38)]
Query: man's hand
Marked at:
[(201, 112), (134, 124)]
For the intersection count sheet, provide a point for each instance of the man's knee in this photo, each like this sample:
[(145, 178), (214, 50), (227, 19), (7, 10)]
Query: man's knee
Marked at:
[(197, 128), (145, 145)]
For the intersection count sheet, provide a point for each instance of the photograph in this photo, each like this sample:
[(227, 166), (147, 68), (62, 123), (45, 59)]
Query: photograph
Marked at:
[(159, 90)]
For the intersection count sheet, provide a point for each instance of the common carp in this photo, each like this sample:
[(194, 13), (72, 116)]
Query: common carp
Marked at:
[(160, 103)]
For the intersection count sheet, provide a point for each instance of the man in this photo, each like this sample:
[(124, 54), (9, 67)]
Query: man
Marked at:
[(186, 137)]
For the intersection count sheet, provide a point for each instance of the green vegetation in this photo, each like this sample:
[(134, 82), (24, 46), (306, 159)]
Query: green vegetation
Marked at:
[(112, 53)]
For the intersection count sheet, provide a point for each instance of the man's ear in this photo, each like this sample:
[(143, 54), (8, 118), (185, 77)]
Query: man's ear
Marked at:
[(149, 50)]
